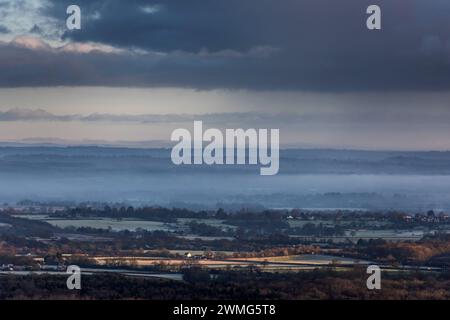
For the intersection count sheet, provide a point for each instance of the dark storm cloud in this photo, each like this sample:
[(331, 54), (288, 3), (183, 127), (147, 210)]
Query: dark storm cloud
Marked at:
[(309, 25), (4, 29), (254, 44)]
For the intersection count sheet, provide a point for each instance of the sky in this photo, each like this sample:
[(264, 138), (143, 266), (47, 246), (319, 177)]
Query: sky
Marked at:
[(138, 69)]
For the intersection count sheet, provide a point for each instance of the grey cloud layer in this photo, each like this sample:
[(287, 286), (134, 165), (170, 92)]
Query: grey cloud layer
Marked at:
[(18, 114), (247, 119), (319, 45)]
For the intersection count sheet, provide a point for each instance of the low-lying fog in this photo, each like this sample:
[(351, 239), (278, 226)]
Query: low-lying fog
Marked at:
[(307, 178)]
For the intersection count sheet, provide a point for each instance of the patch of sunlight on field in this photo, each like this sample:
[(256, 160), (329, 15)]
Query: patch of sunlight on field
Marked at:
[(314, 259)]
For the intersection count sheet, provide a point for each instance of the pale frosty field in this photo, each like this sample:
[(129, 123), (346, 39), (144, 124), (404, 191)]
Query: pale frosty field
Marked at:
[(115, 225)]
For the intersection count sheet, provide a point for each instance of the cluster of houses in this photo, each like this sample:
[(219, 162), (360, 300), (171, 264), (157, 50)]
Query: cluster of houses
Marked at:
[(40, 263), (17, 209), (189, 255), (430, 217), (12, 267)]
